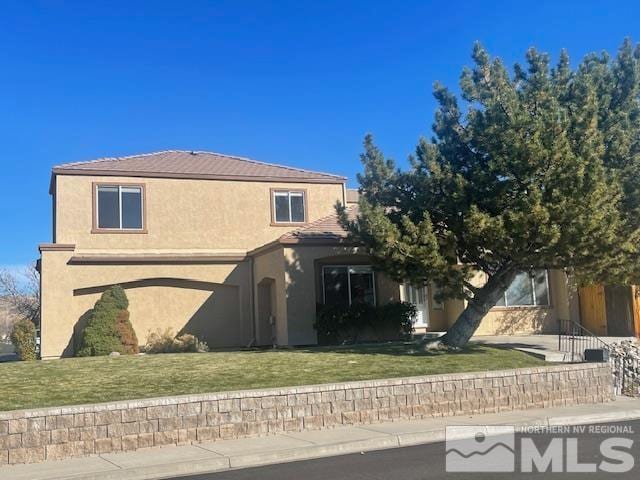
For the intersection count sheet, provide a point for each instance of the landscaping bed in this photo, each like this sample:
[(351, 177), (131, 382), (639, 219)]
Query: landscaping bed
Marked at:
[(102, 379)]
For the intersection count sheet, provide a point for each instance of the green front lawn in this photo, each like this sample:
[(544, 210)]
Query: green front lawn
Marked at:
[(102, 379)]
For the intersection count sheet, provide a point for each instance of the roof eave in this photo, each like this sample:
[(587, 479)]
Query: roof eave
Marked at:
[(284, 242), (135, 259), (193, 176), (319, 241)]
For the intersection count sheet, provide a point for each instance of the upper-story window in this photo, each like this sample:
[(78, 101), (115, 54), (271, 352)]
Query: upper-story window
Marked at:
[(119, 207), (289, 206)]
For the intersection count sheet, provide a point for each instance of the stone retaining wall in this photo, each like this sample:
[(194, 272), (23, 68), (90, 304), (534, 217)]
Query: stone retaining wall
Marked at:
[(55, 433)]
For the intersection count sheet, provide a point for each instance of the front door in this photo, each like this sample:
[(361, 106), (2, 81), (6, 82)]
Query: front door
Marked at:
[(419, 297), (266, 320)]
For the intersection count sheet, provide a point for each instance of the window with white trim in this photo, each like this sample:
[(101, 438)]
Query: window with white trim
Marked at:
[(528, 289), (119, 207), (288, 206), (348, 284)]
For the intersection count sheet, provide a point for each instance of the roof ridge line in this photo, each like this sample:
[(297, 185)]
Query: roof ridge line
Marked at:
[(113, 159)]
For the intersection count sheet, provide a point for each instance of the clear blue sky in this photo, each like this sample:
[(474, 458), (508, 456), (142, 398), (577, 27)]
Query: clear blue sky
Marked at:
[(296, 82)]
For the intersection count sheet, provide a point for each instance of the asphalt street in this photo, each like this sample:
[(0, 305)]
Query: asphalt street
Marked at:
[(428, 461)]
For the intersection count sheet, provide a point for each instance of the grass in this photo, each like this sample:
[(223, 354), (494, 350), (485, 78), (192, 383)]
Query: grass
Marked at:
[(102, 379)]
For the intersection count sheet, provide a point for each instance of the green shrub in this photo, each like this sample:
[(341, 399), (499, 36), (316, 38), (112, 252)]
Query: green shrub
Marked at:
[(108, 327), (119, 297), (23, 337), (340, 324), (166, 342), (399, 315)]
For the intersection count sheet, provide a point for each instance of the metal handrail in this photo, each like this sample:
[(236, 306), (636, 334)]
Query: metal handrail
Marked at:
[(573, 336)]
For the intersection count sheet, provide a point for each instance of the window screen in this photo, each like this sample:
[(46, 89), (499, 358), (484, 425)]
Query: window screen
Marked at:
[(289, 207), (119, 207)]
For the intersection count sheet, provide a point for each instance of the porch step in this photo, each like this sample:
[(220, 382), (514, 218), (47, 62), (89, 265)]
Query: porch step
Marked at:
[(546, 355), (420, 334)]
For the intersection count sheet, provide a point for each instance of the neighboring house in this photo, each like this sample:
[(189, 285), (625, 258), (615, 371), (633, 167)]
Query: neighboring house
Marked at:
[(8, 316), (235, 251)]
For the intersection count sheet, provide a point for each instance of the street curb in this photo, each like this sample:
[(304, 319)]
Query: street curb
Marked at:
[(212, 465), (209, 465), (594, 418), (314, 451)]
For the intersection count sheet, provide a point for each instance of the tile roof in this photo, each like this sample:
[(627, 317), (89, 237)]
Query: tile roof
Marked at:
[(199, 165), (326, 228)]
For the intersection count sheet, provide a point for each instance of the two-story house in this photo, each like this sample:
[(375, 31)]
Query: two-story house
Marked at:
[(236, 251)]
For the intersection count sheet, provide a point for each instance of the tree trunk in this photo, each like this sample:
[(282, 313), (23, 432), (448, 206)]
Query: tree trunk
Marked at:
[(469, 320)]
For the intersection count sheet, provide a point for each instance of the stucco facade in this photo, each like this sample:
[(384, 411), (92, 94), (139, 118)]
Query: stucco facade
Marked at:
[(188, 269), (210, 259), (185, 215)]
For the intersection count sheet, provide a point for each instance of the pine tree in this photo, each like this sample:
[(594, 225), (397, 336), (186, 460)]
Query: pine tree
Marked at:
[(534, 170)]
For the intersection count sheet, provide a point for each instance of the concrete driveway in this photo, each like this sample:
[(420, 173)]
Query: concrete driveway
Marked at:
[(7, 352)]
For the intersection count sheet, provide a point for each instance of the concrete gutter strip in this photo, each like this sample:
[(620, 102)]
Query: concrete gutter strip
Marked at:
[(595, 418), (167, 462), (154, 471)]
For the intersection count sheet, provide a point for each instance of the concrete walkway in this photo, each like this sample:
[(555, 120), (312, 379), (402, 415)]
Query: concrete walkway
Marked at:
[(230, 454), (7, 353), (543, 342), (541, 346)]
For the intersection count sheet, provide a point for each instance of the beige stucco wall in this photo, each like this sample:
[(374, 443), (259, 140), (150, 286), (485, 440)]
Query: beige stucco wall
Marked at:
[(516, 320), (186, 214), (210, 300), (301, 292)]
